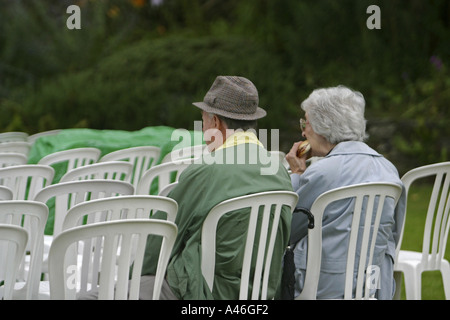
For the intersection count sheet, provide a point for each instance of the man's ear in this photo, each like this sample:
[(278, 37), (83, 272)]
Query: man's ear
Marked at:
[(221, 125), (217, 122)]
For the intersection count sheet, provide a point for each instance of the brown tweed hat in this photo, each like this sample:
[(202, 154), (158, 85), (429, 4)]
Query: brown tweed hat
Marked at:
[(232, 97)]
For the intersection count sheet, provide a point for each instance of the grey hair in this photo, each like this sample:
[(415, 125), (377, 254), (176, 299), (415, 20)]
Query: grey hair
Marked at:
[(337, 114)]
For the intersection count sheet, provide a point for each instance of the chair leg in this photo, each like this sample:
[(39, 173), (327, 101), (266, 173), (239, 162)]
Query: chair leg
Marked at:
[(445, 271), (413, 283)]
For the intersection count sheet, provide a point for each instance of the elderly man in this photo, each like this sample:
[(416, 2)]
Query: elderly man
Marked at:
[(230, 104)]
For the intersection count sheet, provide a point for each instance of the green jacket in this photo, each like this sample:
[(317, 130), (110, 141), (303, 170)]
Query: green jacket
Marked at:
[(200, 188)]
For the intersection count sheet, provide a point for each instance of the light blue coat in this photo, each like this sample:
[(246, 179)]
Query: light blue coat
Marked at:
[(350, 162)]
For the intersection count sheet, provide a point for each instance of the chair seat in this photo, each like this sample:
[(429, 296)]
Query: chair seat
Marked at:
[(43, 294), (412, 259), (44, 290), (410, 263), (409, 256)]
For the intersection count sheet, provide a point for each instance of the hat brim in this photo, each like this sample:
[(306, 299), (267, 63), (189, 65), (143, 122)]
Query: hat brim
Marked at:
[(259, 113)]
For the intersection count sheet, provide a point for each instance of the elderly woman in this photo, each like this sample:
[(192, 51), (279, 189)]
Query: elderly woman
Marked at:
[(335, 127)]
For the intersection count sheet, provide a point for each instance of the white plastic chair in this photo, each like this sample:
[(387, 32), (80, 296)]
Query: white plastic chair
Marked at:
[(114, 170), (107, 261), (165, 174), (185, 153), (32, 216), (142, 158), (5, 193), (118, 208), (13, 241), (68, 194), (435, 236), (8, 159), (21, 147), (72, 158), (32, 138), (26, 180), (166, 190), (264, 247), (365, 195), (13, 136)]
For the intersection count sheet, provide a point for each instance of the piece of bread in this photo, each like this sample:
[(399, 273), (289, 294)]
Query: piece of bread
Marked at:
[(303, 148)]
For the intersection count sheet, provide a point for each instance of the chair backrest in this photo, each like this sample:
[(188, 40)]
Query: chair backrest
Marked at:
[(72, 158), (166, 190), (26, 180), (142, 158), (185, 153), (437, 221), (32, 216), (8, 159), (161, 175), (119, 208), (368, 203), (13, 241), (114, 170), (107, 248), (271, 203), (13, 136), (68, 194), (32, 138), (6, 193), (21, 147)]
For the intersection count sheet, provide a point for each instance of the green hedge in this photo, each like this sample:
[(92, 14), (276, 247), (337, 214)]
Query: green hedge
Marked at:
[(154, 82)]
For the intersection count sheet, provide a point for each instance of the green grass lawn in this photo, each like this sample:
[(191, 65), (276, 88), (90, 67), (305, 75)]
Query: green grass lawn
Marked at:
[(432, 288)]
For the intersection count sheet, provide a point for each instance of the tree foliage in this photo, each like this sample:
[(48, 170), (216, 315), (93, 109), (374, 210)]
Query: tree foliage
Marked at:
[(135, 63)]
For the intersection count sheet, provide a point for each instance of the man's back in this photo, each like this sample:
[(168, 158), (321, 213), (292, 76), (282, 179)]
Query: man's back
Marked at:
[(200, 188)]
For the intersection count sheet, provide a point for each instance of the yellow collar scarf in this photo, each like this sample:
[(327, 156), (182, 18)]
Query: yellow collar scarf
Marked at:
[(240, 137)]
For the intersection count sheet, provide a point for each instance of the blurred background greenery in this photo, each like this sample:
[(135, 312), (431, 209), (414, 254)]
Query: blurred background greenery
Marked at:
[(138, 63)]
